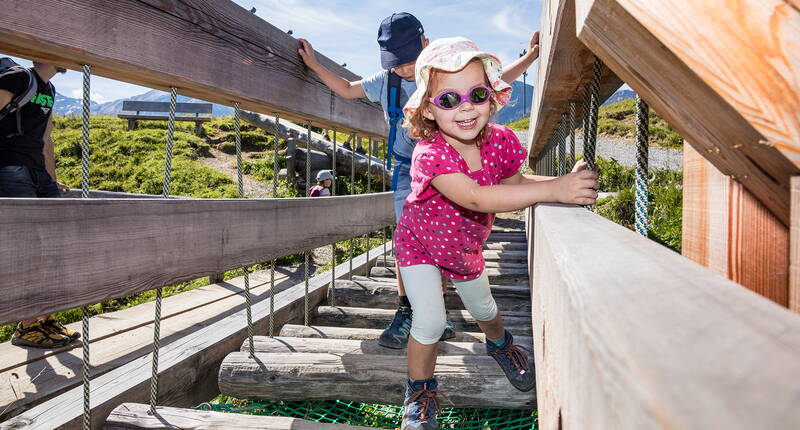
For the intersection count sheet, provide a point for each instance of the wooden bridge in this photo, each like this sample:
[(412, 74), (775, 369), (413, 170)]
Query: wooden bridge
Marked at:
[(626, 333)]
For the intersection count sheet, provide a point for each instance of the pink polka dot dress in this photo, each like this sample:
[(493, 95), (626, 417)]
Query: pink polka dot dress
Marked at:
[(434, 230)]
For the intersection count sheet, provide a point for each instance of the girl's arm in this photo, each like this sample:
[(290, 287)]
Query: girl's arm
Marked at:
[(578, 188)]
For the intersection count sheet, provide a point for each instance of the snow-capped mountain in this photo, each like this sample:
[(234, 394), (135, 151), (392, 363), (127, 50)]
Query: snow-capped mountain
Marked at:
[(68, 106)]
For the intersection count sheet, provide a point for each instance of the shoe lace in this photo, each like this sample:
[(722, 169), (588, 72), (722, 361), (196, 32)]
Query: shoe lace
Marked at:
[(518, 355), (426, 397)]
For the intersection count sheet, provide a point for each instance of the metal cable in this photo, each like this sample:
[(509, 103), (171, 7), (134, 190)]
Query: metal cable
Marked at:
[(573, 107), (274, 195), (333, 246), (306, 253), (587, 101), (369, 190), (87, 72), (352, 191), (642, 137), (237, 128), (562, 146), (590, 141)]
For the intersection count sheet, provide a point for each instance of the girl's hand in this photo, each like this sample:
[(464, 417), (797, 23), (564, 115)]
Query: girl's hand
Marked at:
[(580, 165), (578, 187), (307, 54)]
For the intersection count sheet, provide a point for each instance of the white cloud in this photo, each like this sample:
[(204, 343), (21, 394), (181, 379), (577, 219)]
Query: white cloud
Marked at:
[(504, 21), (95, 97)]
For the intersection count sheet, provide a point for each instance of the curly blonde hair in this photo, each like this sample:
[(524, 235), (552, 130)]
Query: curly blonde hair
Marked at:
[(420, 127)]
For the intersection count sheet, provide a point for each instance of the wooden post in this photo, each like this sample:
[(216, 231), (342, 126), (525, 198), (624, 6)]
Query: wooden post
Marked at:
[(726, 229), (794, 248)]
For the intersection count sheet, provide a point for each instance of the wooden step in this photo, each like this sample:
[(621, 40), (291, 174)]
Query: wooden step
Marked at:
[(281, 344), (389, 262), (393, 281), (470, 381), (490, 255), (515, 322), (502, 275), (328, 332), (508, 236), (128, 416), (506, 246), (384, 295)]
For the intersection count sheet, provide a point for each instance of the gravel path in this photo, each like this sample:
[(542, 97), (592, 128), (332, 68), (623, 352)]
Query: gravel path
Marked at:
[(226, 163)]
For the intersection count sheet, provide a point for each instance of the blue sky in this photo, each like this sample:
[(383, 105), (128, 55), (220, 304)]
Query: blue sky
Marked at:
[(345, 31)]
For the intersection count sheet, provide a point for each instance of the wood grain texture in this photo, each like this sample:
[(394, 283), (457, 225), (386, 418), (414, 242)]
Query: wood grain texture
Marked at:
[(723, 74), (565, 65), (212, 50), (726, 229), (78, 252), (469, 381), (384, 296), (644, 338), (132, 416), (144, 106), (329, 332), (188, 367), (497, 275), (794, 249)]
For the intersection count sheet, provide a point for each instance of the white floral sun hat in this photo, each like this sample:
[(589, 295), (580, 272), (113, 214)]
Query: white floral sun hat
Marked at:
[(450, 55)]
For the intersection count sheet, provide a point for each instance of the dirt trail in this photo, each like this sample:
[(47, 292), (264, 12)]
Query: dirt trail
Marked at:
[(226, 163)]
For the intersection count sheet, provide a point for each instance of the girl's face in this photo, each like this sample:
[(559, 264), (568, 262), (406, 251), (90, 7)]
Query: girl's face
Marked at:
[(327, 183), (464, 123)]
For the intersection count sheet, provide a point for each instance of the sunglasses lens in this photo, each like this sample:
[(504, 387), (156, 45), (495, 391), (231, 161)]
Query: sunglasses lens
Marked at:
[(479, 95), (449, 100)]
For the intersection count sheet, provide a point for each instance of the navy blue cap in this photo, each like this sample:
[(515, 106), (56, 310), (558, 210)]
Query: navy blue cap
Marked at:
[(399, 37)]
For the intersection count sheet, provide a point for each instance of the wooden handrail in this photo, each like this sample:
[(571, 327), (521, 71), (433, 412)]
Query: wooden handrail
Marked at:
[(58, 254), (212, 50), (644, 338)]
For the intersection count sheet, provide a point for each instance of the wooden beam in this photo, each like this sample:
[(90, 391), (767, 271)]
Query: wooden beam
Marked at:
[(78, 252), (328, 332), (723, 74), (727, 230), (794, 249), (498, 275), (188, 367), (640, 337), (565, 65), (470, 381), (211, 50), (131, 416)]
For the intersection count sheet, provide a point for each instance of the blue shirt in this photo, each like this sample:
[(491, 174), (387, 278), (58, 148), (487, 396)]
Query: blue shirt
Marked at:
[(375, 87)]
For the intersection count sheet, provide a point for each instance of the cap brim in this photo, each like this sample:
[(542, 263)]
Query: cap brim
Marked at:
[(402, 54)]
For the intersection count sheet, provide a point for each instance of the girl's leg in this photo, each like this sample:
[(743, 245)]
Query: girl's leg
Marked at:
[(477, 297), (424, 288)]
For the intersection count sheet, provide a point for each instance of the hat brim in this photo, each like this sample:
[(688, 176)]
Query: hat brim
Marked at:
[(402, 54)]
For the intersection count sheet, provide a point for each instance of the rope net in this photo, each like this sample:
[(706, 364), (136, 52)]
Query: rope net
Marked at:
[(383, 416)]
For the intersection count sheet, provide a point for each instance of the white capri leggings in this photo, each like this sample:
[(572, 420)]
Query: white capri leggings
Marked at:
[(423, 284)]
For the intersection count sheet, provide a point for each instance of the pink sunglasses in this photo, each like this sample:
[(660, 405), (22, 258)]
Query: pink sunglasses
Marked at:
[(450, 99)]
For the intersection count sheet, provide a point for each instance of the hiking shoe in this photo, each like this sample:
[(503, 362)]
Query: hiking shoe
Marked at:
[(421, 405), (513, 359), (55, 326), (38, 336), (449, 329), (396, 335)]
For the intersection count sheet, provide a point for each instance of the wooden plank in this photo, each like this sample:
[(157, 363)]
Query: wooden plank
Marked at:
[(328, 332), (282, 344), (165, 241), (726, 229), (129, 416), (723, 74), (489, 256), (164, 118), (383, 295), (644, 338), (243, 58), (490, 263), (499, 275), (143, 106), (468, 381), (506, 246), (518, 323), (565, 65), (187, 367), (794, 249)]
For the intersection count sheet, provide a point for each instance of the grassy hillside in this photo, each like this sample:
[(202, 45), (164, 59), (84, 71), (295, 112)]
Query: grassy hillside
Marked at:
[(619, 120)]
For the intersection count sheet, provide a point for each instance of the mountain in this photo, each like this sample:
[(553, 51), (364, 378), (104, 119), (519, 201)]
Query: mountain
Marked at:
[(68, 106), (513, 110), (620, 96)]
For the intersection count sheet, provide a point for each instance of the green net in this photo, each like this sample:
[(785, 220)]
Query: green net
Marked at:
[(383, 416)]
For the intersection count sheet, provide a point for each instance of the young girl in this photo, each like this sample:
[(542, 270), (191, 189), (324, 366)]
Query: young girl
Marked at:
[(464, 170), (324, 183)]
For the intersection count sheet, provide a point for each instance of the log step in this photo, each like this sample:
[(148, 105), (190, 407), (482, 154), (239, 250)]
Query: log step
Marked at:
[(280, 344), (384, 295), (389, 262), (489, 255), (470, 381), (496, 275), (128, 416), (328, 332), (393, 281), (518, 323)]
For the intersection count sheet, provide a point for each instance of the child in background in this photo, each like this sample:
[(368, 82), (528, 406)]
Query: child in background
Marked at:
[(323, 187), (464, 170)]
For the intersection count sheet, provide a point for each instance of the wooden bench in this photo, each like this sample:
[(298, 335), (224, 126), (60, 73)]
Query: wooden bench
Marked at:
[(139, 106)]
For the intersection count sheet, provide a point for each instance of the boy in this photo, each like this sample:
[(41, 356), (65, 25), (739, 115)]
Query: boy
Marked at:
[(401, 38)]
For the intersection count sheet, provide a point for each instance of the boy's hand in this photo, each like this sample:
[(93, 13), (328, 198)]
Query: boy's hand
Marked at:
[(578, 187), (307, 54)]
